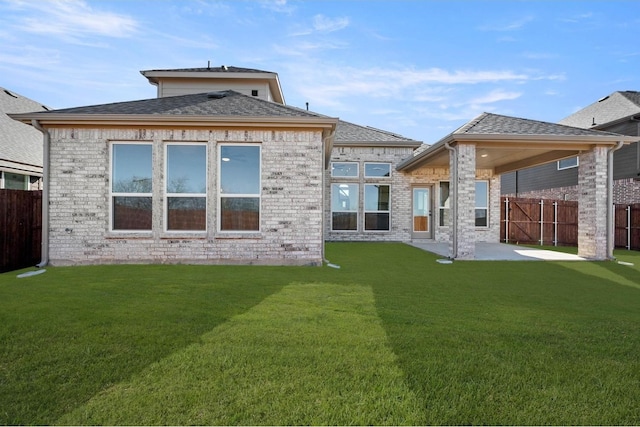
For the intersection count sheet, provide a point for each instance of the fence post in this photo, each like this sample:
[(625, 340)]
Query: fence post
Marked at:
[(541, 222), (506, 220), (628, 227), (555, 223)]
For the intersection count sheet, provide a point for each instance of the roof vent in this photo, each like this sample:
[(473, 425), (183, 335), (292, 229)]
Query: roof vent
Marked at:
[(225, 68), (218, 94)]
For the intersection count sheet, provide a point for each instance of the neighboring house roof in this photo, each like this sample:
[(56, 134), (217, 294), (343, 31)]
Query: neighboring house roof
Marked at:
[(505, 143), (612, 108), (20, 145), (350, 134)]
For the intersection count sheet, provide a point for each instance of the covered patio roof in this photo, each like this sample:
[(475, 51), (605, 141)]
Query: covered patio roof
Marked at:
[(505, 144)]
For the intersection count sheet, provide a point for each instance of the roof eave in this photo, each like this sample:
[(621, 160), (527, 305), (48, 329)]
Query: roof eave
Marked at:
[(53, 119)]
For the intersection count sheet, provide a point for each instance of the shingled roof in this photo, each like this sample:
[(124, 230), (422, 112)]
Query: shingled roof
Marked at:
[(221, 69), (611, 108), (350, 134), (495, 124), (221, 103)]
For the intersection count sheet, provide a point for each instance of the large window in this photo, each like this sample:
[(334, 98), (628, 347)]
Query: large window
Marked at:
[(482, 203), (376, 207), (186, 187), (344, 207), (131, 184), (239, 187)]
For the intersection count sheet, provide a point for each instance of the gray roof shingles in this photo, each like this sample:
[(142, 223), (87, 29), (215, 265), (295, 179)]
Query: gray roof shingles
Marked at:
[(494, 124), (618, 105), (350, 132), (223, 103)]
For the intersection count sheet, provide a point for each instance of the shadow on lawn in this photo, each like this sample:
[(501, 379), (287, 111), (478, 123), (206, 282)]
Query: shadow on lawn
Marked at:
[(72, 332), (512, 342)]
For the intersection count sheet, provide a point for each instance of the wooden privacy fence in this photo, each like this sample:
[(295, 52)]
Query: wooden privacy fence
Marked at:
[(555, 222), (20, 229)]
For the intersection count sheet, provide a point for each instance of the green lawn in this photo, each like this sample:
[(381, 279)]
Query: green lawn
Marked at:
[(390, 338)]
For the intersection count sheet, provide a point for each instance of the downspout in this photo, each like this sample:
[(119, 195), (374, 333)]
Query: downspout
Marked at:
[(46, 140), (453, 194), (325, 140), (610, 219)]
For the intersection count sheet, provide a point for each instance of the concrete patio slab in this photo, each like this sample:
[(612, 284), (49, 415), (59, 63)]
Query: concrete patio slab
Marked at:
[(500, 252)]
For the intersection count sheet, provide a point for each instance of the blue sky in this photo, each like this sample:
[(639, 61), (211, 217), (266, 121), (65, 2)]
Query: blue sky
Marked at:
[(417, 68)]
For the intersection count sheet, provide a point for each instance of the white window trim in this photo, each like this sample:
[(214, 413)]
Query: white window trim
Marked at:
[(377, 176), (221, 196), (343, 176), (165, 203), (357, 211), (561, 168), (365, 211), (483, 207), (112, 194)]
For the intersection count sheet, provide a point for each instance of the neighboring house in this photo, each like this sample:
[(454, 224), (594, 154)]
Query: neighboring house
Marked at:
[(20, 144), (218, 169), (618, 113)]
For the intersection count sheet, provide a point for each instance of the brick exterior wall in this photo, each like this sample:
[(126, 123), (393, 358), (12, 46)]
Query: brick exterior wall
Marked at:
[(625, 192), (291, 201), (592, 204), (466, 169), (400, 209)]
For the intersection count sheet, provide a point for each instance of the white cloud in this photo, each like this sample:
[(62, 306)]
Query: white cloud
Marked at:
[(495, 96), (324, 24), (72, 19), (509, 26)]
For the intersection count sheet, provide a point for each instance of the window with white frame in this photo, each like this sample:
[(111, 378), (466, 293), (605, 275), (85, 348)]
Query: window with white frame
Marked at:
[(239, 187), (344, 207), (377, 170), (482, 203), (376, 207), (568, 163), (13, 181), (131, 186), (443, 203), (344, 169), (186, 187)]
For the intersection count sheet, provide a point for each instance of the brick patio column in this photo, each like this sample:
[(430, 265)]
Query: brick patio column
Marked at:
[(465, 199), (592, 204)]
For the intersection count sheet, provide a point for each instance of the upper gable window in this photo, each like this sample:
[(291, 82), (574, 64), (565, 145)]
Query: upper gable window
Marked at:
[(568, 163), (344, 169), (377, 170)]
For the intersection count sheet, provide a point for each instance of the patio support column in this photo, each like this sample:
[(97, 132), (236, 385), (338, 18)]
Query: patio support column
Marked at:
[(465, 200), (592, 204)]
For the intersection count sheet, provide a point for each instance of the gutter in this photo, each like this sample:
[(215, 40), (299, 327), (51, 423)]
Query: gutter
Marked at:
[(453, 194), (44, 256), (610, 219)]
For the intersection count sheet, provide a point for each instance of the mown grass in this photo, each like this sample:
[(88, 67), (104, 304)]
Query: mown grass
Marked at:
[(390, 338)]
